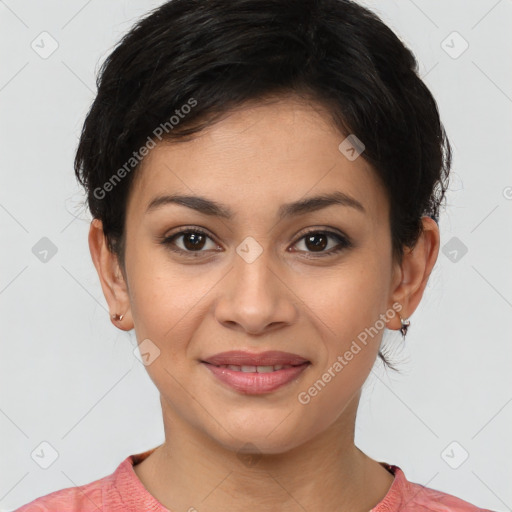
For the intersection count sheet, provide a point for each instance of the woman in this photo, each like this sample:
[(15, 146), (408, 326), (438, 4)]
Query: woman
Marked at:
[(265, 178)]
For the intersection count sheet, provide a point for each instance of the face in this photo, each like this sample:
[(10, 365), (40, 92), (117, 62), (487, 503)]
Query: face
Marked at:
[(254, 273)]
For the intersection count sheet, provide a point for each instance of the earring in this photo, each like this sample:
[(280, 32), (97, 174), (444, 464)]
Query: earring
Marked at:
[(405, 323), (115, 316)]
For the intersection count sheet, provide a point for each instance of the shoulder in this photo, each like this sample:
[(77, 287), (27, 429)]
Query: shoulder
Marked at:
[(90, 497), (105, 493), (405, 495), (86, 498), (422, 498)]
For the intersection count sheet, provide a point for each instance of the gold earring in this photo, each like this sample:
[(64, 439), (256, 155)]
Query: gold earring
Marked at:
[(115, 316)]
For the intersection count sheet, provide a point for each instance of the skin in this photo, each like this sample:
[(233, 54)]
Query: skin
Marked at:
[(254, 160)]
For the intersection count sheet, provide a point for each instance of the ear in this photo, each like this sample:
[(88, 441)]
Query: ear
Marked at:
[(411, 276), (111, 277)]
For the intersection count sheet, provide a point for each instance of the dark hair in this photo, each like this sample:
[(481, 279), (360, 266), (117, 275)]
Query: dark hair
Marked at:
[(214, 55)]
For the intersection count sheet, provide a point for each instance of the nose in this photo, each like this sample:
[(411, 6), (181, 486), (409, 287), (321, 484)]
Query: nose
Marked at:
[(255, 298)]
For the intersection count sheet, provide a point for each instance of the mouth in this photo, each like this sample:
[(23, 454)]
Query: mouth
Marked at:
[(256, 369), (256, 373), (243, 358)]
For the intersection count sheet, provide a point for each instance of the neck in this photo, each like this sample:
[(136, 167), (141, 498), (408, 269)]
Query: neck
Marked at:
[(191, 471)]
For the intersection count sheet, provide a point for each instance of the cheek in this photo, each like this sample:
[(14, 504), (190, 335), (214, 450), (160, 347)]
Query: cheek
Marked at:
[(345, 307), (345, 300), (345, 357), (165, 300)]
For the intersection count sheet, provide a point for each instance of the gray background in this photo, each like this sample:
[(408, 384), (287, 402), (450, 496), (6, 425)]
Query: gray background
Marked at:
[(69, 378)]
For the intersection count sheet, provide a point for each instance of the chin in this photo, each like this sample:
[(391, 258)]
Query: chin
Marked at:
[(255, 446), (260, 436)]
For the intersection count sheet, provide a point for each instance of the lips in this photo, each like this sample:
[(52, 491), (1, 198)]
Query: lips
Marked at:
[(242, 358), (255, 373)]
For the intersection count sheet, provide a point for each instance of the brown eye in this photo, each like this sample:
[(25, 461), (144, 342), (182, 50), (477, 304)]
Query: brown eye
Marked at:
[(192, 241), (317, 241)]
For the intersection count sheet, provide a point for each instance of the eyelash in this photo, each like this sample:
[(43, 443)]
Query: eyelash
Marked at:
[(343, 242)]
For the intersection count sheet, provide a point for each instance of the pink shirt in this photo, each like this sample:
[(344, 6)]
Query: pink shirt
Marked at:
[(122, 491)]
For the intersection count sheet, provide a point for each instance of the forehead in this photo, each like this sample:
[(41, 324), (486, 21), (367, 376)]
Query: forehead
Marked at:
[(257, 157)]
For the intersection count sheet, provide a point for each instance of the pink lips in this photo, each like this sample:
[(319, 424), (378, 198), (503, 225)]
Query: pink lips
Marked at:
[(253, 382)]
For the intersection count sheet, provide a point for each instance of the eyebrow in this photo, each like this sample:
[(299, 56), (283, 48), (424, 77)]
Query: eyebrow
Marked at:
[(212, 208)]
